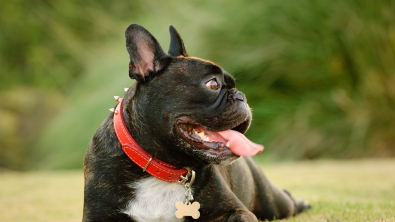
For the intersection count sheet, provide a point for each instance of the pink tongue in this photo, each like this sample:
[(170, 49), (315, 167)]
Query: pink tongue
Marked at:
[(239, 144)]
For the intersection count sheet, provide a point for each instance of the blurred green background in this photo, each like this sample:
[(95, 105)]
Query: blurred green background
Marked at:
[(319, 75)]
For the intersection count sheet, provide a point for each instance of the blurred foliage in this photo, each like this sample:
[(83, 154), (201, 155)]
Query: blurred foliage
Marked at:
[(43, 42), (23, 112), (319, 75), (43, 50)]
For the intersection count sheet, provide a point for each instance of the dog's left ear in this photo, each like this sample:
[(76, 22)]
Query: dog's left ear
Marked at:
[(177, 47), (146, 54)]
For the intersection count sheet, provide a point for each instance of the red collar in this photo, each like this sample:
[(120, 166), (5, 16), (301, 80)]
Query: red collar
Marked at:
[(138, 155)]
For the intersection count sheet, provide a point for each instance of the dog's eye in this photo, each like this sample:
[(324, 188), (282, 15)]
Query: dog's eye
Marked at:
[(212, 84)]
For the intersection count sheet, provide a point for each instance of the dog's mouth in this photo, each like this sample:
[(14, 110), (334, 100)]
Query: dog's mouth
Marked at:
[(218, 142)]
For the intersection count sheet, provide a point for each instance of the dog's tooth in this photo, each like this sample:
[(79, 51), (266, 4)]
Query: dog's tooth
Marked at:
[(202, 135), (206, 139), (126, 89), (228, 144)]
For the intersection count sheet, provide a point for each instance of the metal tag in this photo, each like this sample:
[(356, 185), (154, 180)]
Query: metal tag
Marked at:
[(187, 210)]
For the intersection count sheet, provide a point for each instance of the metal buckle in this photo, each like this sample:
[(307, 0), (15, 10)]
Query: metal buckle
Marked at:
[(149, 161), (186, 178)]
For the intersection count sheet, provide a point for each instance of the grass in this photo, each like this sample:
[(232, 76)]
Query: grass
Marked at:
[(354, 190), (41, 196), (359, 190)]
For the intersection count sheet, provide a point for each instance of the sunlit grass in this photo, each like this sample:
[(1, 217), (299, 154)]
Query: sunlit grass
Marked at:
[(41, 196), (340, 190), (360, 190)]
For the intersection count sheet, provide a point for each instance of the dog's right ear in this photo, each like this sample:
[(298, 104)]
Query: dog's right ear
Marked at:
[(177, 47), (146, 54)]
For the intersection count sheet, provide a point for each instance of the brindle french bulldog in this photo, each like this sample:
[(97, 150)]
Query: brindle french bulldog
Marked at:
[(187, 112)]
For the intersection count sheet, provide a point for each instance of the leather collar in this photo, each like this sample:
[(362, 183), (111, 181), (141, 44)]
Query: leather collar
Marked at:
[(138, 155)]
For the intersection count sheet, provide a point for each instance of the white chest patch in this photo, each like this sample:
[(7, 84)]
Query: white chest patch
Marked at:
[(155, 201)]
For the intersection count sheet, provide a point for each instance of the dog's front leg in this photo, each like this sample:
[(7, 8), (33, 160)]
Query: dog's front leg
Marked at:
[(217, 201), (218, 212), (242, 216)]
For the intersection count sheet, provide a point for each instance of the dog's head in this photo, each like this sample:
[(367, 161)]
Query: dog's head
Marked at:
[(184, 107)]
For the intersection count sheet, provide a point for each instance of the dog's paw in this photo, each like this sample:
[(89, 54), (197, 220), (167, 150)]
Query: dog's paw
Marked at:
[(300, 205), (242, 216)]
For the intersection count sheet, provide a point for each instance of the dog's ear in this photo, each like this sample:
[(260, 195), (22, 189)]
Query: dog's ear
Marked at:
[(146, 55), (176, 44)]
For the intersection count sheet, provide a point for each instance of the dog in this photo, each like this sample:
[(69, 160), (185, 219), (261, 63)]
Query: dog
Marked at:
[(176, 139)]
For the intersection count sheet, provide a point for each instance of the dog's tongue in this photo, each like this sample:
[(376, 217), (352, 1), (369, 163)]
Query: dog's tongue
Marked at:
[(239, 144)]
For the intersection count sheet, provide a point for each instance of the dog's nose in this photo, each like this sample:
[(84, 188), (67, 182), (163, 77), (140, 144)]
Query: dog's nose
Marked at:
[(237, 95)]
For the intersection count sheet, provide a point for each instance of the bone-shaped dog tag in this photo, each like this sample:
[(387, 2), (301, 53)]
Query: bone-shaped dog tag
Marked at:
[(187, 210)]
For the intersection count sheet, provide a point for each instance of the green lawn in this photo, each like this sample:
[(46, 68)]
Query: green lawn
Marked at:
[(358, 190)]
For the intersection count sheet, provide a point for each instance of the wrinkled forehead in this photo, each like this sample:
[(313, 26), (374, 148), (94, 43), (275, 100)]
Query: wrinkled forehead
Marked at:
[(196, 69), (196, 66)]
